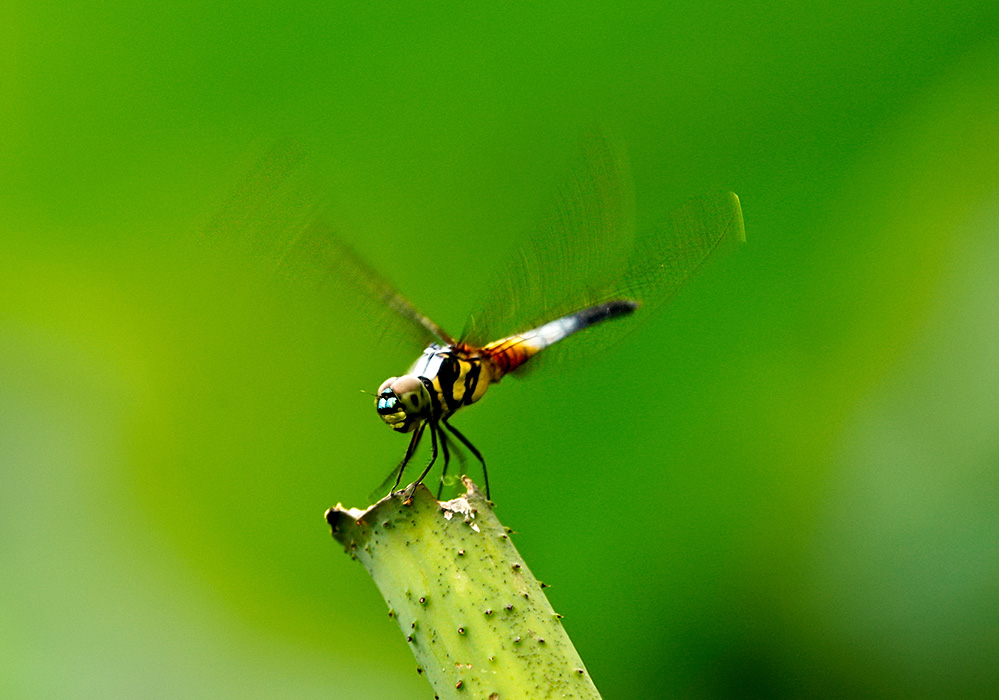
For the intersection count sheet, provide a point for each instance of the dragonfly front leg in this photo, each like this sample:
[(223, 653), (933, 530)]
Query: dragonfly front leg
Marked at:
[(410, 451), (433, 458)]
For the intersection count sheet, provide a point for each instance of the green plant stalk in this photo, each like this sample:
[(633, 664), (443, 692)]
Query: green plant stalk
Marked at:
[(474, 616)]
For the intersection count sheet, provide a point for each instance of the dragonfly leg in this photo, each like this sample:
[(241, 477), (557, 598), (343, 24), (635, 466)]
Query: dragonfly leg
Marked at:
[(449, 448), (447, 460), (433, 458), (410, 451), (471, 447)]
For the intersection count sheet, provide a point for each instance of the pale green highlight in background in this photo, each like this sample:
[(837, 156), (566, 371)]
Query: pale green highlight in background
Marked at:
[(785, 485)]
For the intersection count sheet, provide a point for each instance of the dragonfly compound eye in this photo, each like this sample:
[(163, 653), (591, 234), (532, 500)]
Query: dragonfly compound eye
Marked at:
[(402, 403)]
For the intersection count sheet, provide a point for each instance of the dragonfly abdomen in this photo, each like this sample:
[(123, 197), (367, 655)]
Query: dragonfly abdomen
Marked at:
[(507, 354), (605, 311)]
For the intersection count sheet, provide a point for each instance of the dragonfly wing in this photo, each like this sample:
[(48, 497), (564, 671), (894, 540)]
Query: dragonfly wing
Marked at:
[(317, 248), (276, 214), (574, 256), (664, 260), (585, 253)]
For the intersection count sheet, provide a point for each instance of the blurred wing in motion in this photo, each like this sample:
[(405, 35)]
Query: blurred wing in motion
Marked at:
[(573, 257), (586, 253), (665, 259), (276, 214)]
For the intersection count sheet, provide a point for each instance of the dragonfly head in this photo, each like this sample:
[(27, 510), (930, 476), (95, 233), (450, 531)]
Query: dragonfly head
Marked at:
[(403, 403)]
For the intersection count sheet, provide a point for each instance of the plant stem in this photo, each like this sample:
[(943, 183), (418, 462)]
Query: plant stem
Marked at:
[(475, 617)]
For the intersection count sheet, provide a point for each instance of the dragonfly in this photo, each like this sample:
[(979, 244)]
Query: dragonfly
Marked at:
[(582, 267)]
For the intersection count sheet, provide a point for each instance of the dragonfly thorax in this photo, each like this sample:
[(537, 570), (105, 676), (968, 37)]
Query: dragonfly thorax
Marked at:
[(403, 402), (442, 380)]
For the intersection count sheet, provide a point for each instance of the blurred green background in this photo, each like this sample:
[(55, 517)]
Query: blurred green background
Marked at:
[(786, 485)]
